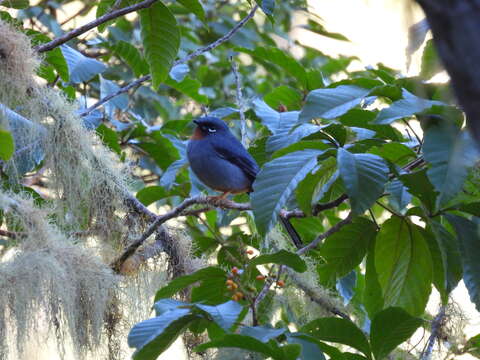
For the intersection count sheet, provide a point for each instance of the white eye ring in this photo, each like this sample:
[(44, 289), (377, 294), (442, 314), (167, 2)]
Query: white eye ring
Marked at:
[(212, 130)]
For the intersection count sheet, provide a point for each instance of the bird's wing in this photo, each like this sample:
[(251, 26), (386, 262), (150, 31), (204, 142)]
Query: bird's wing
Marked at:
[(232, 150)]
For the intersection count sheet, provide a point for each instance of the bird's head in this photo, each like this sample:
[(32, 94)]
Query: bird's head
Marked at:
[(209, 126)]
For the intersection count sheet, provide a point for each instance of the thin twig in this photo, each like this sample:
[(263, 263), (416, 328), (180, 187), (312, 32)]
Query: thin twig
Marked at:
[(9, 234), (185, 59), (239, 99), (326, 234), (92, 24), (330, 205)]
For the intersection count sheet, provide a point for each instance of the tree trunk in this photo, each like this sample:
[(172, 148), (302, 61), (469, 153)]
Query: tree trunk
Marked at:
[(455, 26)]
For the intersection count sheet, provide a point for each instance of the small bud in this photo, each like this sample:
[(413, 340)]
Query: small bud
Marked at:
[(229, 282), (260, 278), (239, 295), (250, 252), (235, 298), (234, 270), (280, 283)]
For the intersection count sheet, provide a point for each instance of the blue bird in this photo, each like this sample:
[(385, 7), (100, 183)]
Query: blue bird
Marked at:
[(218, 159)]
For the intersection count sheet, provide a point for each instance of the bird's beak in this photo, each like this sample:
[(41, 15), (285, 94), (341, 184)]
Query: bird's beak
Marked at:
[(196, 122)]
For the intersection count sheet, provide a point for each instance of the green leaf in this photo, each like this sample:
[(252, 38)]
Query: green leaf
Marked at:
[(109, 138), (469, 239), (310, 349), (404, 265), (406, 107), (332, 103), (53, 57), (399, 196), (431, 63), (130, 54), (344, 250), (390, 328), (450, 153), (267, 6), (448, 272), (182, 282), (7, 145), (419, 186), (81, 68), (153, 336), (148, 195), (275, 183), (16, 4), (282, 257), (339, 331), (364, 176), (283, 60), (189, 87), (284, 95), (194, 6), (247, 343), (262, 333), (161, 40), (372, 296), (225, 314), (319, 29)]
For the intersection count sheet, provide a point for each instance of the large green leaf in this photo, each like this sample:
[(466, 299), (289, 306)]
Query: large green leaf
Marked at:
[(332, 103), (390, 328), (278, 57), (189, 87), (161, 40), (194, 6), (7, 145), (310, 348), (262, 333), (364, 176), (450, 154), (469, 239), (153, 336), (182, 282), (446, 256), (406, 107), (130, 54), (276, 182), (339, 331), (404, 265), (282, 257), (372, 295), (225, 314), (148, 195), (284, 95), (345, 249), (420, 186), (81, 68), (249, 343)]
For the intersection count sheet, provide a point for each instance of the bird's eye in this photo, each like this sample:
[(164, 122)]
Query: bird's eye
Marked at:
[(212, 129)]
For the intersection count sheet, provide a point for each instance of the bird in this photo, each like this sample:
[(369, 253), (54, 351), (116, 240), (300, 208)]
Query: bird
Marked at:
[(219, 159)]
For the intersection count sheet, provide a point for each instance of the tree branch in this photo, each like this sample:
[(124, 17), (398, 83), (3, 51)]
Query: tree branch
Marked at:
[(326, 234), (159, 220), (185, 59), (92, 24)]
